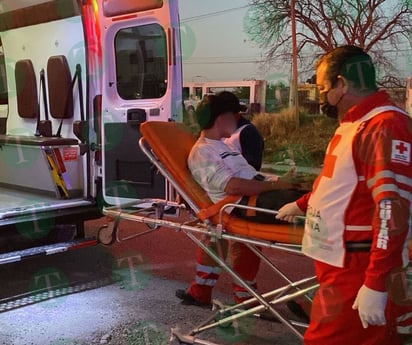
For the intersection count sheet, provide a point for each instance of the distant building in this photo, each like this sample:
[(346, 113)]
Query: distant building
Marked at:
[(193, 92)]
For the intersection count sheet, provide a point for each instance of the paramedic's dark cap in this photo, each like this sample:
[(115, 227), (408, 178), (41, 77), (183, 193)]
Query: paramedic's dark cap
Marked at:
[(209, 109), (361, 72), (352, 63), (232, 101)]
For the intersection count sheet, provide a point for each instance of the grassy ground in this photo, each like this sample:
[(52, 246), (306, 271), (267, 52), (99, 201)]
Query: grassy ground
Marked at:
[(284, 141)]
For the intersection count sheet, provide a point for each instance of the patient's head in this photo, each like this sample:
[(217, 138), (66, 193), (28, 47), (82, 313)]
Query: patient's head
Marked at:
[(233, 101), (216, 117)]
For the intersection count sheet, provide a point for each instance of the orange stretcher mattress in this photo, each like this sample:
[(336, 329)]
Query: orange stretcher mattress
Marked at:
[(171, 144)]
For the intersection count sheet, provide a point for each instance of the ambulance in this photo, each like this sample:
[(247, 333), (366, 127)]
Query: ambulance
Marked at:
[(408, 105), (77, 78)]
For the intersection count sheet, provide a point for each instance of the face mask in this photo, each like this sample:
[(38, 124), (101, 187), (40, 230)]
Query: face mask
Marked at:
[(330, 110)]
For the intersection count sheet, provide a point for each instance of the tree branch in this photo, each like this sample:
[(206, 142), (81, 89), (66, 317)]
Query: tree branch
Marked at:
[(325, 24)]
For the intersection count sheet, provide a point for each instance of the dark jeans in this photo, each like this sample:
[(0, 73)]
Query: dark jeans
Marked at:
[(272, 200)]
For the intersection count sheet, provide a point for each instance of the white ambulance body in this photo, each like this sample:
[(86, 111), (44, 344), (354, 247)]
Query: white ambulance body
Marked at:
[(408, 105), (77, 77)]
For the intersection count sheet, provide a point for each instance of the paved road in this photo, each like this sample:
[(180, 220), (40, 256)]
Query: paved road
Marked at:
[(121, 306)]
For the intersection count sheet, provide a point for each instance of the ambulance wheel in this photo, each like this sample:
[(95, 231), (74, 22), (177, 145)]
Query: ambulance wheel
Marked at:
[(106, 235)]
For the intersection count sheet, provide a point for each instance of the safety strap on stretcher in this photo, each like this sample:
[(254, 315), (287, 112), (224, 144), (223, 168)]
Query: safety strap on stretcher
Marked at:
[(214, 209)]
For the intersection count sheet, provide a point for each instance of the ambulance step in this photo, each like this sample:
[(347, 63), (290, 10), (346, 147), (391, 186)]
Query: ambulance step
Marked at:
[(49, 249)]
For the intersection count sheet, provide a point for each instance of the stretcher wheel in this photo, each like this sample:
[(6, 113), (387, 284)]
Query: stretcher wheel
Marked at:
[(154, 214), (220, 317), (176, 338), (152, 226), (106, 235), (177, 342)]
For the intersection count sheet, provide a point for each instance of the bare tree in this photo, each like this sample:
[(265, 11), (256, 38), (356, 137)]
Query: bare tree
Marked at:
[(381, 27)]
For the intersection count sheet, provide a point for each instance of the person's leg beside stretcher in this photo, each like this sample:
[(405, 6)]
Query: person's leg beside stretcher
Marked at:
[(243, 260)]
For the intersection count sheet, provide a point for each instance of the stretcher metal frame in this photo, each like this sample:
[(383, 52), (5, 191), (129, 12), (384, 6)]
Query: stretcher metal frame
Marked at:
[(151, 212)]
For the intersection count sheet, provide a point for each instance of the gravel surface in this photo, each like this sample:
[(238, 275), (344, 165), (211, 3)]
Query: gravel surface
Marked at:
[(138, 307), (121, 316)]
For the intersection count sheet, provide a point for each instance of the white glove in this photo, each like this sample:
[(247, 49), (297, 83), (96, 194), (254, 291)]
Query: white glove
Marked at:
[(289, 211), (371, 306)]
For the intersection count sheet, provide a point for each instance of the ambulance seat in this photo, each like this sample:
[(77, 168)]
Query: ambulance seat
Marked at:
[(59, 82), (28, 108), (26, 88)]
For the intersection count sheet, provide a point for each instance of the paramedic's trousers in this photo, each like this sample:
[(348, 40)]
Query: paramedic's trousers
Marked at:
[(244, 261), (333, 321)]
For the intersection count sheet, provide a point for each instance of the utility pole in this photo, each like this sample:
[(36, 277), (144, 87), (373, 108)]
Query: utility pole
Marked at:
[(294, 84)]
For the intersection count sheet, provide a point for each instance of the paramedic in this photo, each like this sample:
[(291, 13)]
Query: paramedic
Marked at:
[(358, 213)]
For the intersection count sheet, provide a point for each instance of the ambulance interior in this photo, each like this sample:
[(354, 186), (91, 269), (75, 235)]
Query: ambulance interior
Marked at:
[(41, 169), (44, 168)]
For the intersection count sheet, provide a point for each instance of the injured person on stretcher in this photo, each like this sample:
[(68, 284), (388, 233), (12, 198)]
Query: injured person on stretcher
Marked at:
[(223, 171)]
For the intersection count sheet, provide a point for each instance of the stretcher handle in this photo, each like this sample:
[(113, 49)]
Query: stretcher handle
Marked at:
[(253, 208)]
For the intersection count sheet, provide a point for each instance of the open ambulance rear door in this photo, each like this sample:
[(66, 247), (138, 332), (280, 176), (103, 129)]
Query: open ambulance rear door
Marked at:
[(141, 81)]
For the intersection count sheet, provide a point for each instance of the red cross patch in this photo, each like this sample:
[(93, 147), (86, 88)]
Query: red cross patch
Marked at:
[(401, 152)]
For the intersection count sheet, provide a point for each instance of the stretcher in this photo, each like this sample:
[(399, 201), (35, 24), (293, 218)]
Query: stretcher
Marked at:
[(167, 145)]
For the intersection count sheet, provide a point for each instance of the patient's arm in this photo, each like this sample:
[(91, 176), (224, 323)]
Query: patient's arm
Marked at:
[(240, 186)]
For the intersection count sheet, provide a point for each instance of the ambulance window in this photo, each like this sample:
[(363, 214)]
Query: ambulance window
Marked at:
[(141, 62)]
